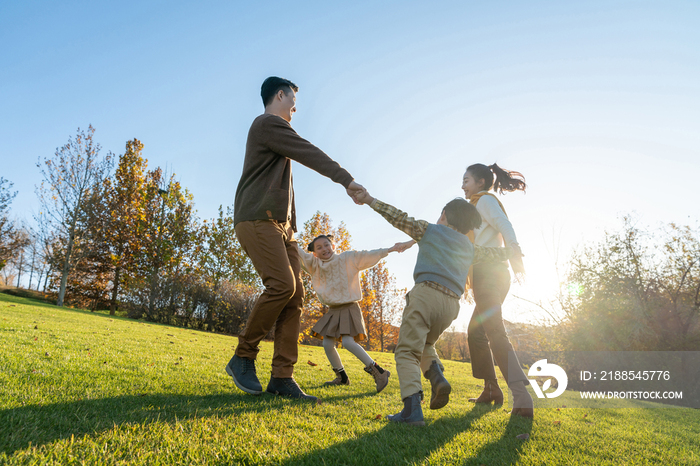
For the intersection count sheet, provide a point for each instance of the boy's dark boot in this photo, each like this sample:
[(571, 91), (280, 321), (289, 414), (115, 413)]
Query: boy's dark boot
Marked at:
[(412, 414), (242, 370), (492, 392), (381, 376), (341, 378), (440, 387), (287, 387)]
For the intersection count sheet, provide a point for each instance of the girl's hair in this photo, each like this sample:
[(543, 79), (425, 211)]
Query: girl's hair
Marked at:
[(505, 180), (311, 244)]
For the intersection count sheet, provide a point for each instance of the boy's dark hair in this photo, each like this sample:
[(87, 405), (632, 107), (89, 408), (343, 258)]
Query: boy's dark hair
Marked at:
[(311, 244), (462, 215), (272, 85), (506, 180)]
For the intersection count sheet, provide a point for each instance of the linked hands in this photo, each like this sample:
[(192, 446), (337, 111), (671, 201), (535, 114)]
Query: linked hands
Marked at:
[(353, 189), (362, 197), (401, 247)]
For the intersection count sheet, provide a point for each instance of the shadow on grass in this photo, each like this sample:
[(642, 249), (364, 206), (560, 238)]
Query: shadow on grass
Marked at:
[(507, 449), (14, 299), (37, 425), (403, 444)]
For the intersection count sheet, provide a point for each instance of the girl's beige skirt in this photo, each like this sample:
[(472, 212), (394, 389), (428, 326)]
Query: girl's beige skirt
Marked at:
[(344, 319)]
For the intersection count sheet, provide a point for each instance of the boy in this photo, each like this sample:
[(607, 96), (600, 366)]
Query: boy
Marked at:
[(444, 257)]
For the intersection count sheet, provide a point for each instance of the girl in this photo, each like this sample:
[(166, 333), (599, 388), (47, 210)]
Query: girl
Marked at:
[(490, 283), (335, 278)]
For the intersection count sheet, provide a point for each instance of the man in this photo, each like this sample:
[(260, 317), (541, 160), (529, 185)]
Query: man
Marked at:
[(265, 223)]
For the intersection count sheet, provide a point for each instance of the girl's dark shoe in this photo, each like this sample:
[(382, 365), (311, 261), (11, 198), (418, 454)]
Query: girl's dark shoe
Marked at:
[(492, 393), (341, 378), (440, 387)]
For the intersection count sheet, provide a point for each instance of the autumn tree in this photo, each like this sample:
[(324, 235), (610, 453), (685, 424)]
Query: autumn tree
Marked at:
[(382, 303), (318, 224), (91, 275), (167, 229), (221, 260), (453, 344), (125, 203), (70, 179)]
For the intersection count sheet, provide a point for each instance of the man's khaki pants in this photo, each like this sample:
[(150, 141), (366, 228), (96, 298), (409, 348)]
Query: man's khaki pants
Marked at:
[(271, 247), (427, 314)]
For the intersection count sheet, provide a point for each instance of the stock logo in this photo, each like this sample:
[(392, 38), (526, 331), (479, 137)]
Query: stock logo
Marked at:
[(543, 369)]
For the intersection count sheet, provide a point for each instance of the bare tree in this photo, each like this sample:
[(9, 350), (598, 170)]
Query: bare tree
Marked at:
[(7, 227), (70, 178)]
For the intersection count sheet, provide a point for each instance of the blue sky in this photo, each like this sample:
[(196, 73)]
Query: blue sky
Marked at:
[(597, 103)]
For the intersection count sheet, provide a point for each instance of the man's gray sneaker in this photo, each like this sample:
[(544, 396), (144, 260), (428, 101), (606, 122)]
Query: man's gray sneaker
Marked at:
[(287, 387), (242, 371)]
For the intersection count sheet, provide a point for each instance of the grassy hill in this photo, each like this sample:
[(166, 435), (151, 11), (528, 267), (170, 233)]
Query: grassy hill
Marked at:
[(78, 387)]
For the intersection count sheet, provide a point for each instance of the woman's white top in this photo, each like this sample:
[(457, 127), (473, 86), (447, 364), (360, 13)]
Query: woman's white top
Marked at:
[(495, 226)]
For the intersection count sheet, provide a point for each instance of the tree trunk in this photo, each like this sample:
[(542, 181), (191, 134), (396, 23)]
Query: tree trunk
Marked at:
[(152, 294), (66, 267), (115, 291), (46, 279), (19, 269), (31, 268)]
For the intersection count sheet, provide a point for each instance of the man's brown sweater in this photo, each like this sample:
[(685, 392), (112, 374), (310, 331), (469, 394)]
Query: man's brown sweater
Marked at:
[(265, 191)]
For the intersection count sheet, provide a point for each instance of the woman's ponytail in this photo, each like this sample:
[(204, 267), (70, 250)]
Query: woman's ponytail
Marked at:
[(499, 178), (507, 180)]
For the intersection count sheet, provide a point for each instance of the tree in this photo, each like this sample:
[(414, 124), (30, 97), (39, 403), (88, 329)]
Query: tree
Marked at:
[(125, 194), (635, 291), (91, 275), (318, 224), (45, 239), (70, 179), (220, 254), (8, 240), (221, 258), (381, 306), (168, 230)]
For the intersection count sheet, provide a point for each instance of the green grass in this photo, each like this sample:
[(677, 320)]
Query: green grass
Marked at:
[(84, 388)]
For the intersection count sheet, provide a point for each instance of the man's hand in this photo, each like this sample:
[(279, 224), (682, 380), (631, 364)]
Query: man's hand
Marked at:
[(401, 247), (353, 189), (362, 197)]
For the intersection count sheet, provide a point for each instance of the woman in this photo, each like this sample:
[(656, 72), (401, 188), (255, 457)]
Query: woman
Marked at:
[(490, 283)]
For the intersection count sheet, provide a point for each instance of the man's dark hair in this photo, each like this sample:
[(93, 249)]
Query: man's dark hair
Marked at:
[(462, 215), (272, 85)]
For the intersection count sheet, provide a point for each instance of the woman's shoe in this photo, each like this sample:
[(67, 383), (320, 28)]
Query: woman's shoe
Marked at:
[(492, 393)]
